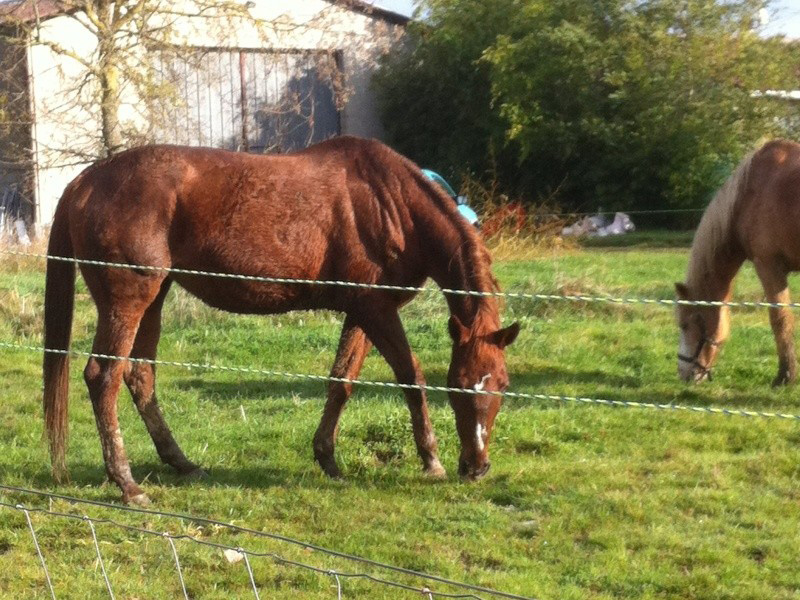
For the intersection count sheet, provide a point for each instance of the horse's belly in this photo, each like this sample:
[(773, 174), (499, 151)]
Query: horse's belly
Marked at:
[(251, 297)]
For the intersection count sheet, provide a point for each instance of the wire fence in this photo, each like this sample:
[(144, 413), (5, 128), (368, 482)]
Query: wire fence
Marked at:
[(400, 288), (711, 410), (662, 406), (429, 589)]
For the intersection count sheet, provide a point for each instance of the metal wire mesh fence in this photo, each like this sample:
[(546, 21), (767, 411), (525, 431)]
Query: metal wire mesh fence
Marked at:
[(401, 582)]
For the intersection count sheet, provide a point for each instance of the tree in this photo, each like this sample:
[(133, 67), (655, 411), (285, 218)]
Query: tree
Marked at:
[(614, 103), (435, 92)]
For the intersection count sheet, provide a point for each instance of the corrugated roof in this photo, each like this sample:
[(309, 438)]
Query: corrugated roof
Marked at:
[(27, 10)]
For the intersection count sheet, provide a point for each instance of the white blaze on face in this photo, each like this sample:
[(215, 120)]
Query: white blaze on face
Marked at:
[(480, 430), (480, 434), (478, 387), (684, 367)]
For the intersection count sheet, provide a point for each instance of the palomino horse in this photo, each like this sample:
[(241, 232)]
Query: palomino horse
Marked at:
[(346, 209), (754, 216)]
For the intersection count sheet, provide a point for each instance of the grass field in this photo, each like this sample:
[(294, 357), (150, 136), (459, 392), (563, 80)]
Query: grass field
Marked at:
[(582, 501)]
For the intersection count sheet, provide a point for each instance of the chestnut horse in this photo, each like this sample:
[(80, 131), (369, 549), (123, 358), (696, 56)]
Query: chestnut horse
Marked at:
[(755, 216), (347, 209)]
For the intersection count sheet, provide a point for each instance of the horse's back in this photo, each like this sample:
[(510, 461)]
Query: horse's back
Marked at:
[(328, 212), (768, 222)]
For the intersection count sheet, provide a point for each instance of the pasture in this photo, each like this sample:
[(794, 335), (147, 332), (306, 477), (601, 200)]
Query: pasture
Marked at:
[(582, 501)]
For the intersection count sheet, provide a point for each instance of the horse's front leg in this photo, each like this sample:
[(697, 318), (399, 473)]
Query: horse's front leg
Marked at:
[(781, 318), (353, 349), (389, 337)]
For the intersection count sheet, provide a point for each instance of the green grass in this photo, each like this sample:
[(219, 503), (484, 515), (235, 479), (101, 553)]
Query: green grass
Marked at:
[(656, 238), (582, 501)]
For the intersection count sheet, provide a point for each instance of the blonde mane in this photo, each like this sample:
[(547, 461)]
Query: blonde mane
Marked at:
[(714, 233)]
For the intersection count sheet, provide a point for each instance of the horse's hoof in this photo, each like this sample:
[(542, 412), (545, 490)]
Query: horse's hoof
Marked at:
[(140, 500), (783, 379), (436, 471), (333, 472), (195, 474), (330, 468)]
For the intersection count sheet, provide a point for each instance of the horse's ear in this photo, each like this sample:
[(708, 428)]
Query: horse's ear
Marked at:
[(458, 333), (505, 337), (682, 291)]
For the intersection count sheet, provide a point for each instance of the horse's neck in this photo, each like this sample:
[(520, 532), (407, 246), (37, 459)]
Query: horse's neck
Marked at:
[(713, 267), (463, 266)]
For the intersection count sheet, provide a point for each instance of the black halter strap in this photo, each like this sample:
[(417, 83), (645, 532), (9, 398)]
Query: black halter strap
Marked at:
[(693, 360)]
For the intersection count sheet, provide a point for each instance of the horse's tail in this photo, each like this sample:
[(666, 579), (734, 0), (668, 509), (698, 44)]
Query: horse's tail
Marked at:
[(58, 308)]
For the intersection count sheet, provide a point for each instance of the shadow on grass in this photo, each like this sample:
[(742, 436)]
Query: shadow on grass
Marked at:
[(548, 376), (233, 392), (258, 387), (157, 479), (545, 380), (156, 474)]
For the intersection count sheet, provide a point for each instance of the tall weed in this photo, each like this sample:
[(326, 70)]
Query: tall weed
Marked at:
[(513, 229)]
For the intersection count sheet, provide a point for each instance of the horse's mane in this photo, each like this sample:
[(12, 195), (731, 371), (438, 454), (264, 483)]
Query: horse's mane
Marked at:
[(714, 234), (472, 243), (472, 252), (472, 249)]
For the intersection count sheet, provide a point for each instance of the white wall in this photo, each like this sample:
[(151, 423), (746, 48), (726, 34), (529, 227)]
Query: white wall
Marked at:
[(55, 128)]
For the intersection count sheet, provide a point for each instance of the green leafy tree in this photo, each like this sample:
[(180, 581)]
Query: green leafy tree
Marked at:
[(614, 103), (435, 94)]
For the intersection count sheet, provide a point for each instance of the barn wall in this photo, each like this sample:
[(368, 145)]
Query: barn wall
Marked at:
[(64, 138), (310, 25)]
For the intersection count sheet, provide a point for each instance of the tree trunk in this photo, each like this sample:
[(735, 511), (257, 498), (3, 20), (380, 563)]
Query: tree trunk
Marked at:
[(109, 109)]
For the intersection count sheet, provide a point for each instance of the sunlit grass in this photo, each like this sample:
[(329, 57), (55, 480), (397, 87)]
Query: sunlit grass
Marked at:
[(582, 501)]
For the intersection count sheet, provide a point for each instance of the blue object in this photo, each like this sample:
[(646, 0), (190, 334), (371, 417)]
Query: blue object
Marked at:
[(463, 208), (469, 214)]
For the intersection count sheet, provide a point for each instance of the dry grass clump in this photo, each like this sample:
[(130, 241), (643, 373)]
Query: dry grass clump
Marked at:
[(514, 230), (21, 313), (10, 262)]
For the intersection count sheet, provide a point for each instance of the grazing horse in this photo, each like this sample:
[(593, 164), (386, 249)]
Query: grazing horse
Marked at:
[(754, 216), (347, 209)]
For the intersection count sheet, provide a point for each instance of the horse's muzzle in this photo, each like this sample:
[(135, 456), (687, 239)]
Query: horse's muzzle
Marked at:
[(468, 473)]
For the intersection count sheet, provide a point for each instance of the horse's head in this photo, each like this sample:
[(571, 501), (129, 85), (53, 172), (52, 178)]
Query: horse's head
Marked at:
[(478, 363), (703, 330)]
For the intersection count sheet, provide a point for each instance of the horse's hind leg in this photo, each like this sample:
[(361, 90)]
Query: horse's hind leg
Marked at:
[(353, 349), (140, 378), (116, 330), (389, 337), (776, 288)]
